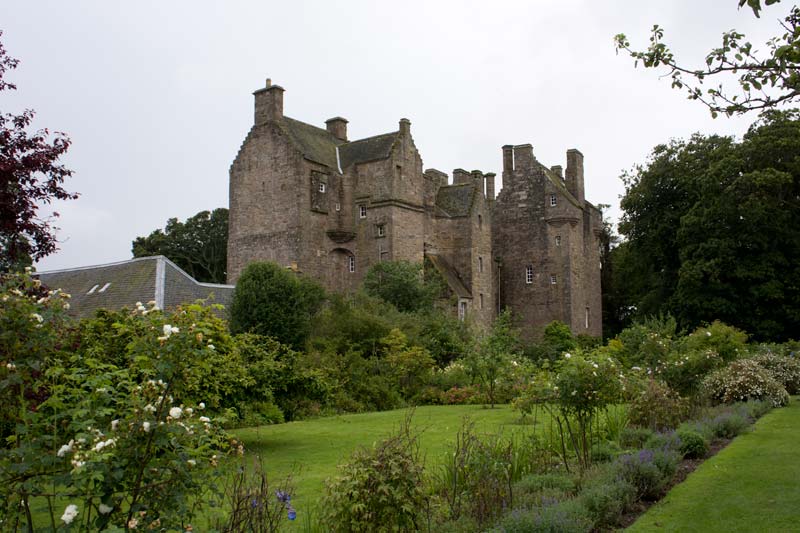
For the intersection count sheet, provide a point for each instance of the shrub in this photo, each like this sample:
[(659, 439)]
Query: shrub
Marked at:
[(605, 502), (533, 483), (379, 489), (559, 517), (727, 425), (727, 341), (744, 380), (657, 406), (403, 284), (647, 343), (684, 371), (648, 471), (786, 370), (693, 444), (634, 437)]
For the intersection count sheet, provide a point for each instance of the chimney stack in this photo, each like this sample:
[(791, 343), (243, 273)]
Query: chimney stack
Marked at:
[(490, 186), (405, 127), (461, 176), (269, 103), (573, 178), (558, 170), (523, 157), (508, 164), (337, 126)]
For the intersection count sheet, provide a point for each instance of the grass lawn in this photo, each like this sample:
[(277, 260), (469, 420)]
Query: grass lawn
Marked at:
[(751, 485), (310, 450)]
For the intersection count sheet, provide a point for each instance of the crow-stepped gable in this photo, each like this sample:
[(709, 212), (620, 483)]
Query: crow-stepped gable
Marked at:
[(311, 199)]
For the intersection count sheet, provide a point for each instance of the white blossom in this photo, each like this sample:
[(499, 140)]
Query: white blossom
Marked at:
[(175, 412), (11, 366), (104, 509), (146, 426), (205, 419), (37, 317), (191, 462), (202, 405), (65, 449), (69, 513), (567, 355), (211, 347), (114, 425)]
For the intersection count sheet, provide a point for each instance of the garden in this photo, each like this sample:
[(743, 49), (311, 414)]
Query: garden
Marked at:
[(364, 418)]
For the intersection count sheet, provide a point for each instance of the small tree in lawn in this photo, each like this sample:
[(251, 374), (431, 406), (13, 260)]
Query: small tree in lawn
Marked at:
[(29, 176), (491, 360)]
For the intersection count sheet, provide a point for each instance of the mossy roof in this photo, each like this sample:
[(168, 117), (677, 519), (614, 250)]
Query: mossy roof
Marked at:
[(319, 145), (556, 180), (450, 275), (456, 200)]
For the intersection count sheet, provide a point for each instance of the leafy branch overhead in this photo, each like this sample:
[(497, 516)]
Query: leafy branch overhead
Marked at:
[(763, 79)]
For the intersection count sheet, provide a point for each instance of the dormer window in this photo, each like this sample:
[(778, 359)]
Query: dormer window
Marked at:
[(553, 200), (321, 187), (362, 211)]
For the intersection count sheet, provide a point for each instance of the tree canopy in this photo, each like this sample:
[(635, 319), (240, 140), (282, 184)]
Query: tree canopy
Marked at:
[(408, 286), (30, 176), (272, 301), (199, 245), (713, 230), (748, 79)]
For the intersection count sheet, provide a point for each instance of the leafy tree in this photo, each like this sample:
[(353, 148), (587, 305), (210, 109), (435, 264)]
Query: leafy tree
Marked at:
[(199, 246), (407, 286), (272, 301), (30, 175), (764, 81), (713, 230)]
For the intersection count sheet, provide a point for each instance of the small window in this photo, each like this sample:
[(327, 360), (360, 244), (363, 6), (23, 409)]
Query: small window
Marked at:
[(104, 287), (381, 230), (553, 200), (338, 206), (94, 288), (362, 211), (462, 310), (480, 264), (558, 240), (321, 187), (529, 274), (587, 318), (480, 222), (481, 301), (553, 279), (352, 263)]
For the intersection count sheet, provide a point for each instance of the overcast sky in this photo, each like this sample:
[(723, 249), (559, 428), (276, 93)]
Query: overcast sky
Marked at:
[(156, 95)]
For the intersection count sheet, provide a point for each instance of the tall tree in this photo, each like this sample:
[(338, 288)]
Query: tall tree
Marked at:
[(199, 246), (759, 81), (713, 230), (30, 176)]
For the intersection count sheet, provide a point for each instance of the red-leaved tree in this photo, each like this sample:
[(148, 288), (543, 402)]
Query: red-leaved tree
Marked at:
[(30, 176)]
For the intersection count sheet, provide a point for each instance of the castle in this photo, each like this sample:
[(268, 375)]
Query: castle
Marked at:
[(313, 200)]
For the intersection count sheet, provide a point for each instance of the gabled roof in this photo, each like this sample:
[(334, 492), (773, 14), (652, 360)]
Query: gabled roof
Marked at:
[(369, 149), (319, 145), (556, 180), (117, 285), (456, 200), (315, 143), (450, 275)]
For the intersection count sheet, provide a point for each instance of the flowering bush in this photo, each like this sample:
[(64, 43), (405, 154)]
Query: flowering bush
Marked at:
[(725, 340), (684, 371), (115, 442), (786, 370), (656, 406), (744, 380), (648, 471)]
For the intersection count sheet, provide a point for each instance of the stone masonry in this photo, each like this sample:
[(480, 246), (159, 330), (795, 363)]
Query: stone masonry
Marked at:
[(314, 201)]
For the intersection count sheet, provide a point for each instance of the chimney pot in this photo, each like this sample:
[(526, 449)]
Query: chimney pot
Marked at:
[(405, 126), (269, 103), (337, 126)]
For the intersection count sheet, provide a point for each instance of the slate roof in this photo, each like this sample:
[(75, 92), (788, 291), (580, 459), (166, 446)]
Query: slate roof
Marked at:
[(450, 275), (315, 143), (122, 284), (456, 200), (318, 145), (369, 149)]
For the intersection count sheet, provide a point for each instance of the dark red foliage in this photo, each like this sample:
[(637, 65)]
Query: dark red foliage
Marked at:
[(30, 176)]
